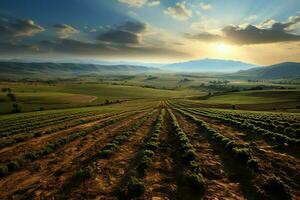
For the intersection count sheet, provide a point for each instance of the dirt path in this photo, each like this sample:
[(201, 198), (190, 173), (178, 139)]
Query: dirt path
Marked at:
[(110, 172), (218, 184), (50, 172)]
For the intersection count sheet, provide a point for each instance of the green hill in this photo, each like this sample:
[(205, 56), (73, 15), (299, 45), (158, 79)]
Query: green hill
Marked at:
[(278, 71), (15, 70)]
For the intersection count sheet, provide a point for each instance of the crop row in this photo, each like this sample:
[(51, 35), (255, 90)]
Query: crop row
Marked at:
[(135, 186), (27, 121), (87, 171), (121, 138), (191, 167), (291, 130), (50, 147), (237, 151), (37, 133), (40, 124), (247, 126)]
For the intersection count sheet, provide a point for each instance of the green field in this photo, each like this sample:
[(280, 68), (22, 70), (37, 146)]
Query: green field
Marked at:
[(32, 97)]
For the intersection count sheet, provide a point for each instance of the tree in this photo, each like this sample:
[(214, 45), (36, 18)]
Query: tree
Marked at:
[(16, 108), (12, 96)]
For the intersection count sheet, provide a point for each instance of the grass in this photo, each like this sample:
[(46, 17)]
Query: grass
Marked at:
[(255, 97), (33, 97)]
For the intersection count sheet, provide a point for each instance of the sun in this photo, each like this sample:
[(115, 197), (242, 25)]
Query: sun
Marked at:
[(223, 48)]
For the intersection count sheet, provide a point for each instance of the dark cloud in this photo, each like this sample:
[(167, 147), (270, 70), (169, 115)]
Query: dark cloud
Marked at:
[(65, 30), (8, 48), (134, 27), (205, 37), (69, 47), (129, 33), (120, 37), (277, 32), (10, 28)]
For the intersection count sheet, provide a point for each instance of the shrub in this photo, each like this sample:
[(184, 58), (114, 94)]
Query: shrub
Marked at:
[(3, 170), (85, 173), (151, 145), (242, 154), (144, 164), (105, 153), (196, 181), (189, 155), (195, 166), (135, 187), (275, 187), (252, 164), (148, 153), (13, 165)]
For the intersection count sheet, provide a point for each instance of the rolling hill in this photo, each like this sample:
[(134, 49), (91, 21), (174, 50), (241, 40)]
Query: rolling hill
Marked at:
[(209, 65), (277, 71), (18, 70)]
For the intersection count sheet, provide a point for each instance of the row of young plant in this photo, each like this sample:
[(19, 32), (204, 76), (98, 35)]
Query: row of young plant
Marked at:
[(239, 152), (285, 128), (34, 117), (111, 147), (87, 172), (191, 165), (27, 127), (269, 185), (135, 186), (37, 133), (16, 163), (244, 125), (284, 119)]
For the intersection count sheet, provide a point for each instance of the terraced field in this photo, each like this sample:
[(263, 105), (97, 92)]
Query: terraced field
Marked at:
[(150, 150)]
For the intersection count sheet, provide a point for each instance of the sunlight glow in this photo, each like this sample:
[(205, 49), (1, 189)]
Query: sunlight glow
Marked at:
[(223, 48)]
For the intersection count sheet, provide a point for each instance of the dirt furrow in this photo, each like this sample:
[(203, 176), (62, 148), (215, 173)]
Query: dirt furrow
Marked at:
[(160, 180), (219, 185), (21, 148), (270, 162), (51, 170), (110, 173)]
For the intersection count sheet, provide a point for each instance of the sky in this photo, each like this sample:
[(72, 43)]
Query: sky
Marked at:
[(261, 32)]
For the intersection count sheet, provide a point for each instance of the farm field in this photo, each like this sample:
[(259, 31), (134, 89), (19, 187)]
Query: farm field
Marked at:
[(39, 96), (150, 149)]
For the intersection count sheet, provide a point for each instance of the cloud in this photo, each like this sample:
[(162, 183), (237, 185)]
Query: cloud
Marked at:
[(134, 26), (251, 18), (153, 3), (119, 36), (277, 32), (69, 47), (205, 6), (208, 37), (140, 3), (18, 28), (179, 11), (65, 30), (129, 33), (9, 48)]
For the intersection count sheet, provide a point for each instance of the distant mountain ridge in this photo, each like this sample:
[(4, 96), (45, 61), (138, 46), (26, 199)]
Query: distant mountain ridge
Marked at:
[(277, 71), (209, 65), (34, 70)]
